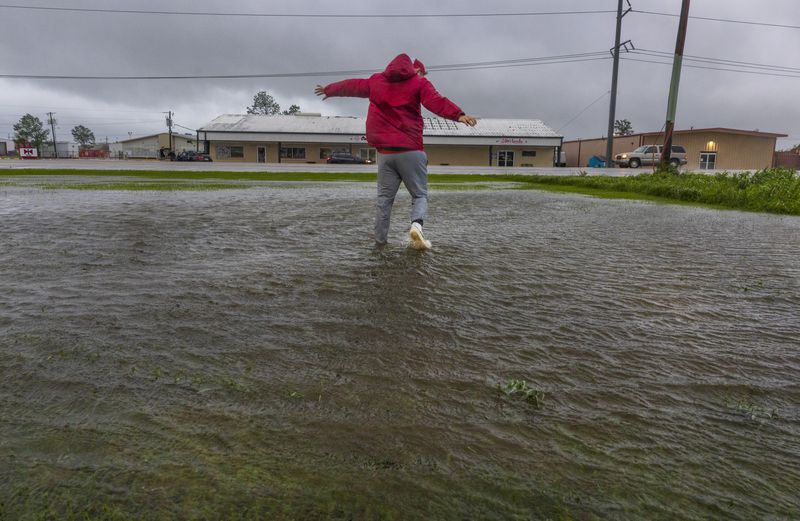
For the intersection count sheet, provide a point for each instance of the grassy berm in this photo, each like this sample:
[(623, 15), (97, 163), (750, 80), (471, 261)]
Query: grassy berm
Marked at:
[(772, 190)]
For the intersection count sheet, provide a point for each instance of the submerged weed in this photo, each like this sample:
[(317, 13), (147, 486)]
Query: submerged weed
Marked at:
[(746, 406), (521, 388)]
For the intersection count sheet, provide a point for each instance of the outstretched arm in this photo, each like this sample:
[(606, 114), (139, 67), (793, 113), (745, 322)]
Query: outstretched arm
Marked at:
[(357, 88), (442, 106)]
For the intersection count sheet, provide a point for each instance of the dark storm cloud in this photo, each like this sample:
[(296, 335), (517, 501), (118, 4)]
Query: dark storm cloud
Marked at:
[(58, 43)]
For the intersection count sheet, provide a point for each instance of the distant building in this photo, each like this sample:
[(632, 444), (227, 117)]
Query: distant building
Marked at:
[(310, 138), (66, 150), (153, 146), (6, 146), (706, 149), (787, 159)]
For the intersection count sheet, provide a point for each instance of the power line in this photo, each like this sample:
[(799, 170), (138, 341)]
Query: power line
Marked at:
[(186, 128), (587, 107), (780, 68), (727, 20), (306, 15), (715, 68), (566, 58)]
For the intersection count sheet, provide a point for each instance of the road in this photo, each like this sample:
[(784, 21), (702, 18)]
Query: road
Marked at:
[(114, 164)]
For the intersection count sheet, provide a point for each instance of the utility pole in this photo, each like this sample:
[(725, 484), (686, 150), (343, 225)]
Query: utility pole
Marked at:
[(615, 72), (52, 122), (672, 103), (169, 125)]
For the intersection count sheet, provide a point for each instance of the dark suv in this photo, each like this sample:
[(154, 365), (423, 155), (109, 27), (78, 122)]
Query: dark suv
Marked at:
[(191, 155), (344, 157)]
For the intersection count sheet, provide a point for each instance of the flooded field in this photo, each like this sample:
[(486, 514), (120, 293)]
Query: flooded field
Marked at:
[(248, 354)]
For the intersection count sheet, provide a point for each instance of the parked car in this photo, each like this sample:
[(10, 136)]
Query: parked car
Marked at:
[(650, 155), (347, 158), (191, 155)]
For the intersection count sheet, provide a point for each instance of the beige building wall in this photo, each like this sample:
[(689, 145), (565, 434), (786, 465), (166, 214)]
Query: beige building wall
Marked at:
[(312, 151), (544, 156), (455, 155), (179, 143), (222, 147), (734, 151), (579, 152), (441, 155)]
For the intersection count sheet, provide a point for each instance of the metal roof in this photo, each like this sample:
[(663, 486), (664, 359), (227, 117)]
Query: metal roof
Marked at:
[(249, 123), (717, 130), (189, 137)]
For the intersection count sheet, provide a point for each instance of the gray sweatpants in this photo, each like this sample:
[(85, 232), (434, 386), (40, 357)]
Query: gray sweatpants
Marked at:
[(412, 169)]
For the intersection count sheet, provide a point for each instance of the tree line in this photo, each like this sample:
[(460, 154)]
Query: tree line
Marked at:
[(31, 131)]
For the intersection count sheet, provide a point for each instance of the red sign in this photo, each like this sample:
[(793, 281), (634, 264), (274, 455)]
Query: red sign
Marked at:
[(88, 152), (28, 153)]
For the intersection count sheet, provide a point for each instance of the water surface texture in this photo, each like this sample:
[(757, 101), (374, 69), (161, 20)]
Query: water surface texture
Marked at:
[(248, 354)]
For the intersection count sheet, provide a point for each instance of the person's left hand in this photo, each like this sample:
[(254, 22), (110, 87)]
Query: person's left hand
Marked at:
[(468, 120), (320, 91)]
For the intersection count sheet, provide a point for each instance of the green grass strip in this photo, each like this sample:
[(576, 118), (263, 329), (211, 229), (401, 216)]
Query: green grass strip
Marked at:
[(771, 190)]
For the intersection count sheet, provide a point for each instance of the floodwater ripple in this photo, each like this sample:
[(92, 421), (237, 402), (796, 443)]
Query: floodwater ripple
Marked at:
[(156, 347)]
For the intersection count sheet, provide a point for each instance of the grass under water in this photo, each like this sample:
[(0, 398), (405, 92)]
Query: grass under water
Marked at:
[(203, 356)]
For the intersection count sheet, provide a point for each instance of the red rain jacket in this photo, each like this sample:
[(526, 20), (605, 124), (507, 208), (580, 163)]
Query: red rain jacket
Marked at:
[(394, 120)]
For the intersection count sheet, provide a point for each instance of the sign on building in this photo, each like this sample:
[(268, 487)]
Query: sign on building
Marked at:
[(28, 153)]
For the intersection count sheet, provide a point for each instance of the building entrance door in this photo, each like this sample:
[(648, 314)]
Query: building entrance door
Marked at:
[(708, 160), (262, 154), (505, 158)]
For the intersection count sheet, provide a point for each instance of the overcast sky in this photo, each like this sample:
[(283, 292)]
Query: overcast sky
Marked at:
[(71, 43)]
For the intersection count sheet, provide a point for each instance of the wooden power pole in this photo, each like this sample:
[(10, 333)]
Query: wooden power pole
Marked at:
[(169, 125), (614, 74), (613, 104), (672, 103), (52, 122)]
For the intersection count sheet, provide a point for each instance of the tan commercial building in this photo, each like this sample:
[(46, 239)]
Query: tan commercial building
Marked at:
[(311, 138), (706, 149), (155, 146)]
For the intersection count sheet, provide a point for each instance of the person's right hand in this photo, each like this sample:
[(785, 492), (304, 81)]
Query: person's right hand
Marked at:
[(320, 91), (468, 120)]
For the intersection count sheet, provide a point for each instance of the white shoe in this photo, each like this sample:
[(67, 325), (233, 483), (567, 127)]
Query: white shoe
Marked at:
[(418, 241)]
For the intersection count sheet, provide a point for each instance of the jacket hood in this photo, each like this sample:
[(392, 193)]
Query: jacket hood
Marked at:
[(400, 69)]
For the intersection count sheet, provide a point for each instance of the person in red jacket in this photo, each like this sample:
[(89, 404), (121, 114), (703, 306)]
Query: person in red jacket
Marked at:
[(394, 128)]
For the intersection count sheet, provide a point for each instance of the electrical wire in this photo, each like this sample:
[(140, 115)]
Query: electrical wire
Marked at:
[(308, 15), (714, 68), (440, 68), (726, 65), (587, 107), (181, 126), (726, 20), (719, 61)]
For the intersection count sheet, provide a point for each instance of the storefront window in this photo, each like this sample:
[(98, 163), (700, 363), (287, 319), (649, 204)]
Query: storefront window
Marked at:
[(369, 154), (293, 153)]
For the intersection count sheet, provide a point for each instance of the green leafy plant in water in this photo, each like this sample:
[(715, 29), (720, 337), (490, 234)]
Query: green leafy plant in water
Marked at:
[(521, 388), (745, 406)]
